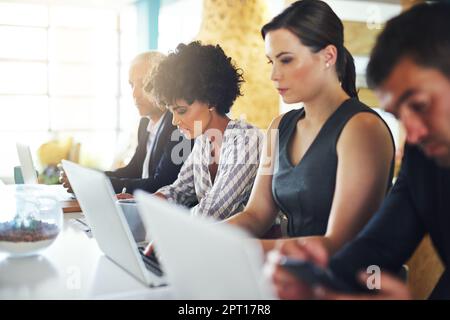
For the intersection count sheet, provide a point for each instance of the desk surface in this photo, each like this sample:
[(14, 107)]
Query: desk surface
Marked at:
[(73, 267)]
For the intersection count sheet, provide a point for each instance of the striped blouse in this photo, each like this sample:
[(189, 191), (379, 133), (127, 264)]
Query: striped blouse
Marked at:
[(238, 164)]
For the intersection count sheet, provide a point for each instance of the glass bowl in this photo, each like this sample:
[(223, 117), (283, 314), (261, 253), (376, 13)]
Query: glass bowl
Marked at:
[(30, 220)]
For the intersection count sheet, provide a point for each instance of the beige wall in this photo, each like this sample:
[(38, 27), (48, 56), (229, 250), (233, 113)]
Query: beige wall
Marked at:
[(425, 269), (235, 25)]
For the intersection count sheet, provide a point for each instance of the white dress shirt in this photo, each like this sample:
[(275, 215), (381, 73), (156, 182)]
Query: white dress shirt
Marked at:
[(152, 131)]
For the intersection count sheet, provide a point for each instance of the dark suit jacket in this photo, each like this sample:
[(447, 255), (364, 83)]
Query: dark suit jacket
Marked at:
[(162, 170), (419, 203)]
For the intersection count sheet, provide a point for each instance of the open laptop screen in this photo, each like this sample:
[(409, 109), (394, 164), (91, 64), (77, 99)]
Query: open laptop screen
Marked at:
[(26, 162)]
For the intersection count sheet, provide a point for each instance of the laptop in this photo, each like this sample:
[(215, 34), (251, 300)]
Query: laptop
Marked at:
[(109, 225), (26, 162), (203, 259)]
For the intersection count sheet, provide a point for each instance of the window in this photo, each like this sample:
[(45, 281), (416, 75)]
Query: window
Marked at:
[(64, 72), (183, 28)]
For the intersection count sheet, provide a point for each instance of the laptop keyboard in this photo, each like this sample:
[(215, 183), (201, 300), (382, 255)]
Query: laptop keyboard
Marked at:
[(80, 223), (151, 262)]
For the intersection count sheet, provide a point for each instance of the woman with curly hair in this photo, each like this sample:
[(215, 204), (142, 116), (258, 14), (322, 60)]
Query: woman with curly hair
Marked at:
[(198, 84)]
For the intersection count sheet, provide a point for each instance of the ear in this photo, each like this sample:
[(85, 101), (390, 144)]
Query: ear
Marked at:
[(329, 55)]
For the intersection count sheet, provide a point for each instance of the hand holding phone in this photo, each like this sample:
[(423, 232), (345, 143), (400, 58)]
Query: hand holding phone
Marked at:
[(313, 275)]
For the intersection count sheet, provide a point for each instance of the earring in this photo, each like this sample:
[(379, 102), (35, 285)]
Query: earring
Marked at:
[(327, 65)]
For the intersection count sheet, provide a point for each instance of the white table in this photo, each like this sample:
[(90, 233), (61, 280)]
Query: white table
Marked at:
[(73, 267)]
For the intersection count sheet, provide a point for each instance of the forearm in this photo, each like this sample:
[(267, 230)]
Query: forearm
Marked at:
[(270, 244), (132, 170), (251, 222), (387, 241), (331, 243), (160, 195), (151, 184), (132, 184)]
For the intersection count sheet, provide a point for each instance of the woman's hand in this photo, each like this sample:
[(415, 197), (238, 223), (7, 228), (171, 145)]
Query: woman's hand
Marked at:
[(289, 287), (64, 180), (122, 196), (149, 249)]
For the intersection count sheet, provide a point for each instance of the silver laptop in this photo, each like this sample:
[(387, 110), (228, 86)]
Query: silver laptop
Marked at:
[(26, 163), (108, 223), (203, 259)]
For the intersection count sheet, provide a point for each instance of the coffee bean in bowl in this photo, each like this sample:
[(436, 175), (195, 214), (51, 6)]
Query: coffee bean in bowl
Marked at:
[(28, 224), (22, 238)]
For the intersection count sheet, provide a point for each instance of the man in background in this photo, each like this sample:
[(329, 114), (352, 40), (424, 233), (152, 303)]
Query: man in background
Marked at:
[(152, 165)]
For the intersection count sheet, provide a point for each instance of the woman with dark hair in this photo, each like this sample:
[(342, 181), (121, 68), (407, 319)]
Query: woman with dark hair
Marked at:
[(330, 163), (199, 84)]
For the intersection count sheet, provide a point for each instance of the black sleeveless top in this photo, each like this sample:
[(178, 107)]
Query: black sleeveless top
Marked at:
[(305, 192)]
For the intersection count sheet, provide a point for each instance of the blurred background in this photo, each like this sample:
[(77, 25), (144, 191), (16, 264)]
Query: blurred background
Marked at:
[(64, 67)]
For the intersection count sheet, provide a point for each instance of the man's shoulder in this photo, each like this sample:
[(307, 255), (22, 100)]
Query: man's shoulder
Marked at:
[(422, 170), (414, 156)]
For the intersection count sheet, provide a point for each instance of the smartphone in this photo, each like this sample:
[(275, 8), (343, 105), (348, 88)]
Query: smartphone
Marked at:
[(314, 275)]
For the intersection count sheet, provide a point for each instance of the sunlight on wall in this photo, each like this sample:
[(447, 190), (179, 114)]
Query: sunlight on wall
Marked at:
[(235, 25)]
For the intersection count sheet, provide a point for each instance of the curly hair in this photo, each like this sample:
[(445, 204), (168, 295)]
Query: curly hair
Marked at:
[(196, 72)]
